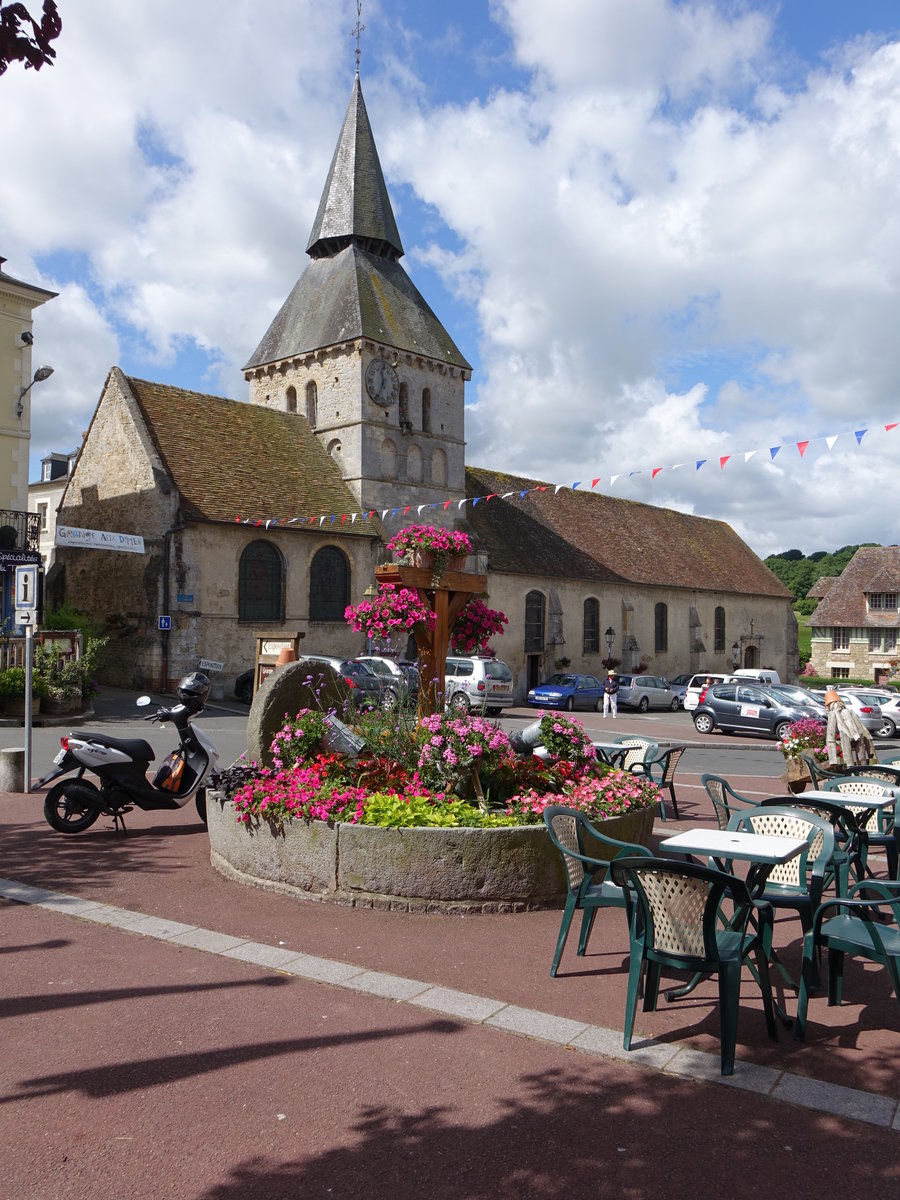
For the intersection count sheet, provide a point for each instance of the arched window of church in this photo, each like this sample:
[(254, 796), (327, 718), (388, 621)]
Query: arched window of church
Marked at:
[(414, 465), (329, 584), (261, 583), (388, 459), (312, 404), (661, 628), (719, 637), (591, 625), (439, 468), (290, 400), (535, 619), (426, 410), (405, 422)]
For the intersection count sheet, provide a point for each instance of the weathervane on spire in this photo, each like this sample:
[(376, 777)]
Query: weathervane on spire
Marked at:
[(357, 30)]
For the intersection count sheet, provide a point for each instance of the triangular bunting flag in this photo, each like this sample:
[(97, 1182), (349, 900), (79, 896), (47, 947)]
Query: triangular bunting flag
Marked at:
[(419, 510), (594, 482), (447, 504), (557, 488), (888, 428), (773, 450), (860, 434), (748, 454), (475, 500), (801, 446), (723, 459), (829, 441), (655, 472), (700, 463), (575, 485), (612, 479)]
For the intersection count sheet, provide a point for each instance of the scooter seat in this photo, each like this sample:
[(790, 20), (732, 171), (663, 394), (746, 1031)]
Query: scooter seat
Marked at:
[(137, 748)]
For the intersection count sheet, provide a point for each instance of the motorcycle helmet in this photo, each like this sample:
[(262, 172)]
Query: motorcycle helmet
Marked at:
[(193, 689)]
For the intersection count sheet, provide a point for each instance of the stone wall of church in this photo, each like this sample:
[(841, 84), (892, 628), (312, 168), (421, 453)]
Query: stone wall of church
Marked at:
[(631, 613)]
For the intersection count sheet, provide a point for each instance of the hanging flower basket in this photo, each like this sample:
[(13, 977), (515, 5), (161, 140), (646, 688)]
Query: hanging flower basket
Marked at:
[(393, 610), (431, 548)]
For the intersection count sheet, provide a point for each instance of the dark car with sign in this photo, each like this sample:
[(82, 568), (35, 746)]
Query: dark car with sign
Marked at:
[(748, 708)]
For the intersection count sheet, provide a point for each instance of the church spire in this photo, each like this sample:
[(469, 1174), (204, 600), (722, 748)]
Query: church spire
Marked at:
[(355, 209)]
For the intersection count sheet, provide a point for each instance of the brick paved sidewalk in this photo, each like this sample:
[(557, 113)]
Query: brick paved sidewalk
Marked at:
[(494, 1072)]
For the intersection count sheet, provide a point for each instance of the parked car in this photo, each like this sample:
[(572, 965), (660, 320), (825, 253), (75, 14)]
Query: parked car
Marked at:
[(889, 703), (646, 691), (366, 690), (243, 687), (763, 675), (564, 690), (747, 708), (798, 695), (697, 684), (478, 684), (679, 686), (867, 707), (395, 679)]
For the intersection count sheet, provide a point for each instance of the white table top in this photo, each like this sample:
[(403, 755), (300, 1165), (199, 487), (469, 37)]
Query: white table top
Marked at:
[(722, 843), (851, 799)]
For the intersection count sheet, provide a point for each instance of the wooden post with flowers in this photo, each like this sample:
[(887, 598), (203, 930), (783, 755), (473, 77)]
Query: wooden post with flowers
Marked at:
[(445, 600)]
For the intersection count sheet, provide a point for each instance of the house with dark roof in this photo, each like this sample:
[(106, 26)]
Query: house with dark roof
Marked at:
[(856, 624), (270, 516)]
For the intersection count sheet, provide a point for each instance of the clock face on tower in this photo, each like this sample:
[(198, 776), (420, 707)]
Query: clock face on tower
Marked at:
[(381, 381)]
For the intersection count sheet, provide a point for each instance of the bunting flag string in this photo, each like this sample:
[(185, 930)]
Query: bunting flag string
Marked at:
[(401, 512)]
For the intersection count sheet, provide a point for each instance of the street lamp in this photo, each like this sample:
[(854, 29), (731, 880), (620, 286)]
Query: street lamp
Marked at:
[(370, 592), (735, 655), (610, 638), (40, 375)]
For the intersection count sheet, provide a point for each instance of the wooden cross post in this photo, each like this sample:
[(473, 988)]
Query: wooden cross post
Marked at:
[(446, 600)]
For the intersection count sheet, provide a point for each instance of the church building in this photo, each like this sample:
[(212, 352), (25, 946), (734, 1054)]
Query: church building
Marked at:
[(269, 516)]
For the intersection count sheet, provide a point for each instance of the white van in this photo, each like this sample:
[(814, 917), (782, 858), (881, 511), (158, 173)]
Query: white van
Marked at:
[(696, 686), (761, 675)]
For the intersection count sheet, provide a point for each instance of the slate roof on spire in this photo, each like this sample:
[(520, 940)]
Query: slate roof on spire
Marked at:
[(355, 205), (355, 287)]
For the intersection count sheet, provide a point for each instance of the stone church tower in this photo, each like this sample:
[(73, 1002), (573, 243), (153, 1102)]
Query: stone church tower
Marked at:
[(356, 351)]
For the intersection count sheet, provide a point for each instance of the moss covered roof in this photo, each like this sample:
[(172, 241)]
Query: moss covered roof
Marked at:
[(229, 459), (588, 535)]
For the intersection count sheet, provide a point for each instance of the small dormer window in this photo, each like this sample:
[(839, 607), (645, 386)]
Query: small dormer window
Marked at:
[(46, 470), (882, 601)]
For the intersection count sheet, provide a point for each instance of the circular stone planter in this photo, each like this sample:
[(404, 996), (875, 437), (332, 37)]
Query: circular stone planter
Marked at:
[(420, 869)]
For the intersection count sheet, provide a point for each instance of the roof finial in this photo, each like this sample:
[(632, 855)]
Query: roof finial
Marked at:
[(357, 30)]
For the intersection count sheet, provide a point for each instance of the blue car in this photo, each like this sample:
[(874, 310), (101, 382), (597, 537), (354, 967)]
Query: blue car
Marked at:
[(568, 691)]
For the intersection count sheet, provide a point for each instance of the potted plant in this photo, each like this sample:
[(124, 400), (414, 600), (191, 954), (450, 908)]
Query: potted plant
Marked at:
[(394, 610), (12, 691), (806, 736), (431, 547), (475, 626)]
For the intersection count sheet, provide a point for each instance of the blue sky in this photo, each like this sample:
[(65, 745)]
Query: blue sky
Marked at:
[(661, 233)]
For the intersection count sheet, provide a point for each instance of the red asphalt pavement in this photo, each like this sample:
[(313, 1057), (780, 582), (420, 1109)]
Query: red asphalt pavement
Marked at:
[(132, 1067)]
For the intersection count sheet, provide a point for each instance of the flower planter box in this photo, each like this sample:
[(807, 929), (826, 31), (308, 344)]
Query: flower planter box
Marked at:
[(796, 775), (416, 869)]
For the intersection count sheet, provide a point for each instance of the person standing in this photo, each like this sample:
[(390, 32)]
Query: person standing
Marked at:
[(611, 694)]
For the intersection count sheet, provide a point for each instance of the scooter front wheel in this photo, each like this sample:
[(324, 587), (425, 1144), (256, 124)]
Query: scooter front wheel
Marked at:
[(200, 802), (67, 808)]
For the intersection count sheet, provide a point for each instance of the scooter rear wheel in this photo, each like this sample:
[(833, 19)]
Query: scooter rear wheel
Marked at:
[(200, 803), (69, 815)]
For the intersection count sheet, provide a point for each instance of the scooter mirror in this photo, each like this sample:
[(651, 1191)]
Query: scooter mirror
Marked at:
[(143, 701)]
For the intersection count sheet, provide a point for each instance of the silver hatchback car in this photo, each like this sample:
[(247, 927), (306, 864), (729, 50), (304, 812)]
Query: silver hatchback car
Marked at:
[(647, 691)]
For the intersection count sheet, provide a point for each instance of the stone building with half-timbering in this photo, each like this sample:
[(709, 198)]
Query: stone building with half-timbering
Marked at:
[(270, 515)]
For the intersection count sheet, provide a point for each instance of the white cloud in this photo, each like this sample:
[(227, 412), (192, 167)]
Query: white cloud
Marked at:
[(672, 252)]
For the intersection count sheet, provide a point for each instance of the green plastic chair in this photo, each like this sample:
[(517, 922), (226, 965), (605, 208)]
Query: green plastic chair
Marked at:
[(851, 843), (852, 929), (661, 769), (881, 826), (569, 831), (797, 884), (676, 924), (726, 801)]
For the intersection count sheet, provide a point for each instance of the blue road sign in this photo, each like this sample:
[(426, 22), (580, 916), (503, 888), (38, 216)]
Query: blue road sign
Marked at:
[(164, 623)]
